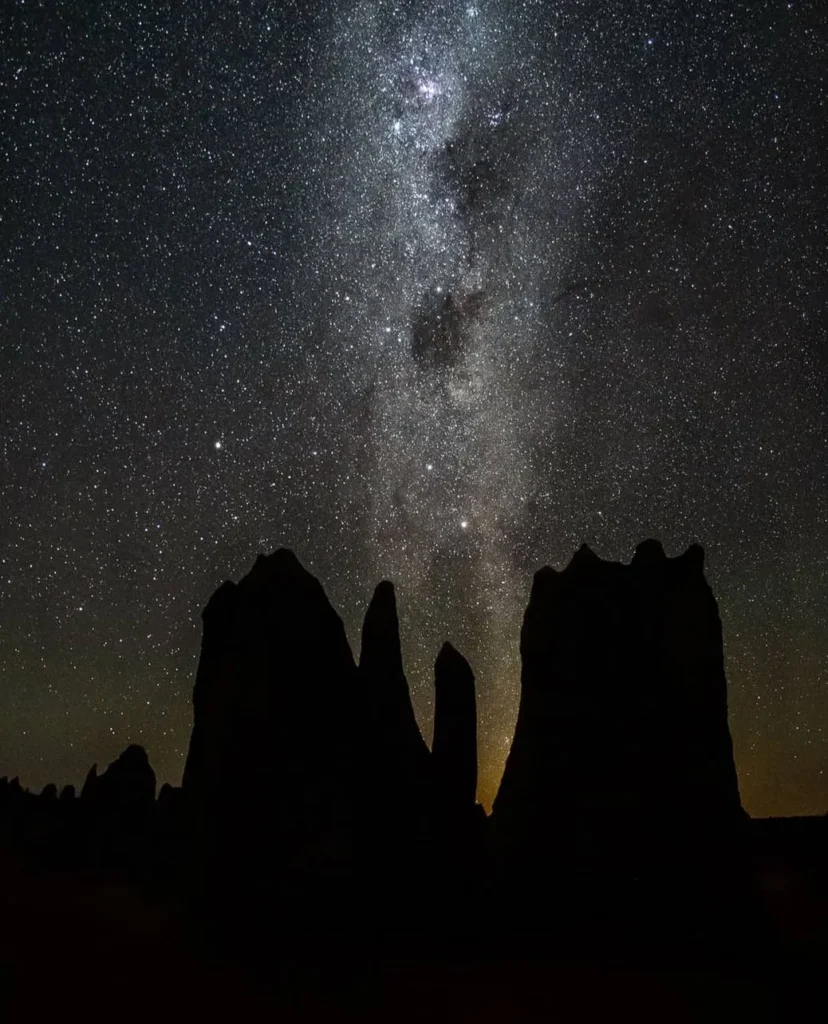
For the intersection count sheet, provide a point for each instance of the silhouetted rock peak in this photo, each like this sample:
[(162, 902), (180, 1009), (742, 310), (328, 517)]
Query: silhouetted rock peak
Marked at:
[(280, 570), (273, 714), (67, 794), (381, 651), (128, 783), (649, 552), (168, 795), (450, 661), (392, 752), (454, 747), (49, 792), (584, 558), (134, 756)]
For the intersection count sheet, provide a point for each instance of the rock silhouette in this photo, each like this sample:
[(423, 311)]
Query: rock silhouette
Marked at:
[(270, 775), (621, 771), (402, 756), (127, 784), (622, 741), (168, 796), (393, 759), (459, 822), (302, 765), (454, 747)]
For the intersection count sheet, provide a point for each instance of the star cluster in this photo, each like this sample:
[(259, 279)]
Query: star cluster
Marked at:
[(432, 292)]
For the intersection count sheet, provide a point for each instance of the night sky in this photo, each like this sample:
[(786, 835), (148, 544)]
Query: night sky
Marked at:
[(433, 292)]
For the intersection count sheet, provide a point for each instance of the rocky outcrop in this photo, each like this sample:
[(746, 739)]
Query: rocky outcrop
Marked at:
[(127, 785), (622, 750), (270, 773)]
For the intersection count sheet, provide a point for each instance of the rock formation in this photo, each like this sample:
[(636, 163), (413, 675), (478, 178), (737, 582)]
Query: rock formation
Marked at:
[(302, 766), (396, 761), (168, 797), (622, 750), (270, 772), (454, 747), (457, 910), (127, 785)]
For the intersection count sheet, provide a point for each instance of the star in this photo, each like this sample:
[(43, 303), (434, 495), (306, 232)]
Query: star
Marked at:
[(496, 278)]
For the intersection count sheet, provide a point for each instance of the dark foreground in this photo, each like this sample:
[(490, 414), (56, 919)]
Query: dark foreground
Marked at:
[(72, 945)]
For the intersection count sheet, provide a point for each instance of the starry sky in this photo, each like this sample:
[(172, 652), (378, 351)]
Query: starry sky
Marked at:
[(432, 292)]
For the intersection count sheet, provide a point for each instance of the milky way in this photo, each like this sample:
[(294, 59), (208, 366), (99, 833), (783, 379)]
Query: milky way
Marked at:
[(428, 292)]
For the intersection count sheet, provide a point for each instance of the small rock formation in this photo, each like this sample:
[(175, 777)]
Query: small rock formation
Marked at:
[(128, 784), (622, 750), (49, 793), (168, 796), (67, 794)]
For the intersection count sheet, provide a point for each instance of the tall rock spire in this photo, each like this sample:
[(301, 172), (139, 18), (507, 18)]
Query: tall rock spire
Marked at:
[(395, 744), (381, 651), (271, 766), (454, 747)]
